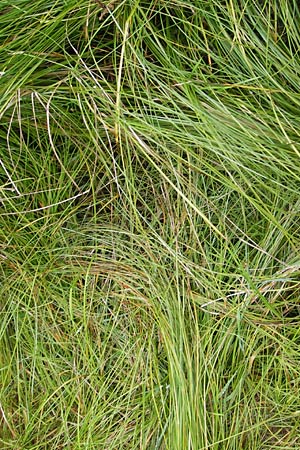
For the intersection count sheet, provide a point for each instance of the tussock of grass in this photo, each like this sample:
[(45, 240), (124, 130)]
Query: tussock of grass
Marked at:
[(149, 257)]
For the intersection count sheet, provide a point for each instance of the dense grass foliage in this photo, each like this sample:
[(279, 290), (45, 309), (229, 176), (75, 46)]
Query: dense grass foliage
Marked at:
[(149, 226)]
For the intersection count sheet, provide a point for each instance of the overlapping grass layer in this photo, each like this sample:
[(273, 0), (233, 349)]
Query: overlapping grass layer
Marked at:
[(149, 255)]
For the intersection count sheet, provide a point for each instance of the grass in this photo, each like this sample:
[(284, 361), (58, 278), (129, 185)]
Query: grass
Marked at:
[(149, 227)]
